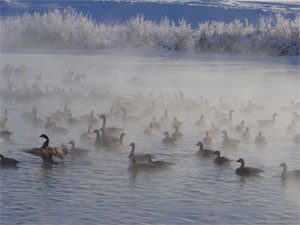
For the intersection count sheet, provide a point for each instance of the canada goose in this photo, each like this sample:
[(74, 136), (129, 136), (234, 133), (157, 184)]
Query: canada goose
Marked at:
[(201, 121), (72, 121), (88, 135), (126, 118), (150, 131), (217, 115), (214, 131), (289, 175), (247, 171), (205, 153), (292, 128), (240, 127), (97, 142), (159, 164), (296, 138), (29, 115), (221, 160), (226, 122), (5, 134), (208, 140), (49, 124), (8, 162), (116, 145), (267, 123), (177, 134), (246, 135), (110, 131), (156, 125), (176, 122), (260, 140), (229, 142), (90, 118), (165, 118), (3, 123), (168, 139), (58, 130), (140, 158), (77, 151), (135, 167), (36, 121)]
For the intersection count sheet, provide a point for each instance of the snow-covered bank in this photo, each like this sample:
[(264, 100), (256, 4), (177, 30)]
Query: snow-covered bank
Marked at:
[(68, 29)]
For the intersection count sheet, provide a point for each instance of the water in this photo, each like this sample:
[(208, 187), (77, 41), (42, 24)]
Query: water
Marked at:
[(99, 189)]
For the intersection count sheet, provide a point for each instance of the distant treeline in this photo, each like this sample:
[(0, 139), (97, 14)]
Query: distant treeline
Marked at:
[(68, 29)]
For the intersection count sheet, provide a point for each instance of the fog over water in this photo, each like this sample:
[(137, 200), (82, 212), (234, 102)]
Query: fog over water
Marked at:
[(98, 188)]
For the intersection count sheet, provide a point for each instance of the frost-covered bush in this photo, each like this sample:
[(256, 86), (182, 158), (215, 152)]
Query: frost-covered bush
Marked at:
[(68, 29)]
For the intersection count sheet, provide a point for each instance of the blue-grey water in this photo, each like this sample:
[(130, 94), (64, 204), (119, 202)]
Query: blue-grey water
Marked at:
[(99, 189)]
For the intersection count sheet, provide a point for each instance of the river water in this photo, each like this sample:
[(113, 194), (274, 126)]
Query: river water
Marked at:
[(99, 189)]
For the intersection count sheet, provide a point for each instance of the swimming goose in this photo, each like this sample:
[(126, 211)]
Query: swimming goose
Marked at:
[(297, 138), (140, 158), (159, 164), (267, 123), (49, 124), (97, 142), (36, 121), (58, 130), (3, 123), (135, 167), (208, 140), (292, 128), (110, 131), (5, 134), (29, 115), (116, 145), (150, 131), (126, 118), (247, 171), (88, 135), (7, 162), (168, 139), (176, 122), (77, 151), (205, 153), (177, 134), (221, 160), (260, 140), (90, 118), (72, 121), (214, 131), (165, 118), (156, 125), (226, 122), (201, 121), (246, 135), (240, 128), (229, 142), (217, 115), (289, 175)]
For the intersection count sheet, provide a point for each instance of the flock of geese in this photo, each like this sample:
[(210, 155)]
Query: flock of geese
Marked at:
[(111, 138)]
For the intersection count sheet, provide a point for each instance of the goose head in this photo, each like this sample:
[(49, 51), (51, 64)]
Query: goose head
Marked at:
[(71, 142), (283, 165), (166, 133), (44, 136), (217, 153)]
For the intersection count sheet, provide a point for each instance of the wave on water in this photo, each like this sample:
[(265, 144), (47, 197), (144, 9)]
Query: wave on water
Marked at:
[(68, 29)]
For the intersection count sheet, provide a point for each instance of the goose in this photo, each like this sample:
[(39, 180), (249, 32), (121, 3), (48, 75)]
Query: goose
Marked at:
[(140, 158), (72, 121), (8, 162), (90, 118), (247, 171), (289, 175), (201, 121), (296, 138), (240, 127), (49, 124), (267, 123), (97, 142), (36, 121), (176, 122), (77, 151), (126, 118), (177, 134), (205, 153), (226, 122), (159, 164), (110, 131), (229, 142), (208, 140), (135, 167), (165, 118), (5, 134), (150, 131), (292, 128), (3, 123), (58, 130), (156, 125), (116, 145), (246, 135), (214, 131), (217, 115), (168, 139), (88, 135), (108, 115), (260, 140), (29, 115), (221, 160)]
